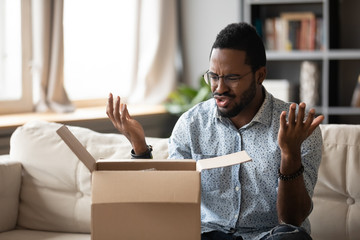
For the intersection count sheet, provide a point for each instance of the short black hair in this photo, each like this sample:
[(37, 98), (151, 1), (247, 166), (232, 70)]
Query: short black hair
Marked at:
[(242, 36)]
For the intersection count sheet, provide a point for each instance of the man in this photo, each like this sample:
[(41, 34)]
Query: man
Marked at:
[(269, 197)]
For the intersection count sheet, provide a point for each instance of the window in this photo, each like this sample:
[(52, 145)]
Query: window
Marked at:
[(15, 83), (10, 49), (109, 46), (99, 41)]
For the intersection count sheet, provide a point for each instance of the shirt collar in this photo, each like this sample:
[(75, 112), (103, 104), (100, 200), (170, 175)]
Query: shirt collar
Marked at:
[(263, 116)]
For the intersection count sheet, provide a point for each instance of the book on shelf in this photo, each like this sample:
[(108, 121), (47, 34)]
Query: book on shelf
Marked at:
[(319, 35), (293, 31), (355, 101)]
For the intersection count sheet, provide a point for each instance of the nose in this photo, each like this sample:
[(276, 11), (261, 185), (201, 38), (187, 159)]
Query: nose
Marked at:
[(221, 86)]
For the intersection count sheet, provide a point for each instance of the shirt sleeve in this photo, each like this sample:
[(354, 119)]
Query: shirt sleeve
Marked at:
[(179, 141), (311, 157)]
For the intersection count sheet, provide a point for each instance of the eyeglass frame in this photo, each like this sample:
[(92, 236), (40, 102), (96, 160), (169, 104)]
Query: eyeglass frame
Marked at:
[(227, 81)]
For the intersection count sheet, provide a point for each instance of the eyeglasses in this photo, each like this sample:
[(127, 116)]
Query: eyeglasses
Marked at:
[(230, 80)]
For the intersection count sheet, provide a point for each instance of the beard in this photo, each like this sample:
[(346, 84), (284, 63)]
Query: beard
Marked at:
[(245, 100)]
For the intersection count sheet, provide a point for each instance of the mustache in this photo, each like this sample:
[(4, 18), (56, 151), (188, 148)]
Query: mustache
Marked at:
[(225, 94)]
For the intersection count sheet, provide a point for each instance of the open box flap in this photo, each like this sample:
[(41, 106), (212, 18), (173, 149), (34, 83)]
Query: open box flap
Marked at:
[(81, 152), (146, 187), (78, 149), (223, 161)]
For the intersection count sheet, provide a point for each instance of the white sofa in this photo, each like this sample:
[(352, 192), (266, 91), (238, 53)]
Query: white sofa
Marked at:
[(45, 191)]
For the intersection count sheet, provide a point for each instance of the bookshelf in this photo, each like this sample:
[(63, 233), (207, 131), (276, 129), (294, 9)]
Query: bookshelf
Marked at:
[(337, 55)]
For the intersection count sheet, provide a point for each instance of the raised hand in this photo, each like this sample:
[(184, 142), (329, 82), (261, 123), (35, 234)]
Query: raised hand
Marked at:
[(293, 132), (126, 125), (293, 202)]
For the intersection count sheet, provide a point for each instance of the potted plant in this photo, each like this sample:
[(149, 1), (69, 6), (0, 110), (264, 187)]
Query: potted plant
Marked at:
[(185, 97)]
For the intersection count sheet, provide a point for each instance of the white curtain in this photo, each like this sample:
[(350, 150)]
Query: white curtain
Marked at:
[(154, 68), (48, 56)]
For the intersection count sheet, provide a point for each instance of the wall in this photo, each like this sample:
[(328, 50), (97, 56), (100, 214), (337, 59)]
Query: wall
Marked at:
[(201, 20)]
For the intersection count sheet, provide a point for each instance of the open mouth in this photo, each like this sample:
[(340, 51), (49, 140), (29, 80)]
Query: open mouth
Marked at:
[(222, 102)]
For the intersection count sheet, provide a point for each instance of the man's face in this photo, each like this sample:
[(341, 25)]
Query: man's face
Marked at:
[(232, 98)]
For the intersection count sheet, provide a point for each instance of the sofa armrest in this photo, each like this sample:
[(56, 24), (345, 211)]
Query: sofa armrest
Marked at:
[(10, 182)]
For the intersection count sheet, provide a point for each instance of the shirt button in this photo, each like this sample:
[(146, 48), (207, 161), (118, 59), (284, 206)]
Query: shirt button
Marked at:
[(237, 188), (236, 216)]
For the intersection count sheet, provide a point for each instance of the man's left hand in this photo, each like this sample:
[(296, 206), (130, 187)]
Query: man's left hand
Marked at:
[(293, 132)]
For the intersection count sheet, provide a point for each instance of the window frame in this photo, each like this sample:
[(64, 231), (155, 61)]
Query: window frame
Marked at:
[(25, 103)]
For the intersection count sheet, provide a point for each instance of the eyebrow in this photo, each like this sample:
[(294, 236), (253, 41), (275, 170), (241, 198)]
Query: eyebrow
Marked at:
[(231, 74)]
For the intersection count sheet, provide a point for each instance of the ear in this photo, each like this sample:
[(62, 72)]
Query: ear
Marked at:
[(260, 75)]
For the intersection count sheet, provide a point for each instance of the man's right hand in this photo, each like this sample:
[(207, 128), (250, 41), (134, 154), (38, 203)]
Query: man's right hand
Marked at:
[(126, 125)]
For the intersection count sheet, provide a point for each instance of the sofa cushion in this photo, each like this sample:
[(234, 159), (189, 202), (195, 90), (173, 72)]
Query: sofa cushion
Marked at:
[(56, 189), (10, 180), (336, 213)]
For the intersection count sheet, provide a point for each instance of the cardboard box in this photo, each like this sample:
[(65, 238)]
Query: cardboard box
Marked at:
[(146, 199)]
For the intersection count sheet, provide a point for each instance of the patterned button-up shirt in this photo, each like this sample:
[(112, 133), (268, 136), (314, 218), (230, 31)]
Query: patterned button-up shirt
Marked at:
[(241, 199)]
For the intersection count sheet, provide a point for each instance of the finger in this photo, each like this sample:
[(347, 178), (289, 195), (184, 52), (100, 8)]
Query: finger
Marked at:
[(301, 113), (309, 118), (317, 121), (110, 107), (292, 114), (122, 109), (125, 112), (283, 120), (116, 109)]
